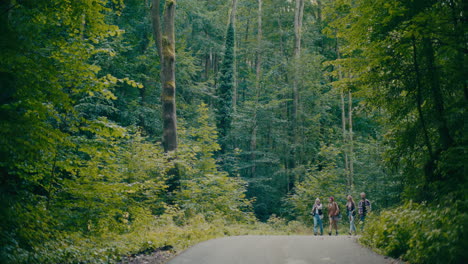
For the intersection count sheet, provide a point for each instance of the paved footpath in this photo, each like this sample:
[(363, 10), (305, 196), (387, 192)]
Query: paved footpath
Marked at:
[(280, 250)]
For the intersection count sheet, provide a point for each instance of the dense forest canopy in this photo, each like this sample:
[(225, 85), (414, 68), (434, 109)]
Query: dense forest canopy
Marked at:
[(115, 113)]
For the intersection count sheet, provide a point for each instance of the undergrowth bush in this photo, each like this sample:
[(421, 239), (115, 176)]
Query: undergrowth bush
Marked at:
[(157, 232), (421, 233)]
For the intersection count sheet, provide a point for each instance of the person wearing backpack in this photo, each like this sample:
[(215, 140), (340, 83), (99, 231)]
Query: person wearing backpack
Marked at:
[(333, 215), (351, 212), (364, 208), (318, 216)]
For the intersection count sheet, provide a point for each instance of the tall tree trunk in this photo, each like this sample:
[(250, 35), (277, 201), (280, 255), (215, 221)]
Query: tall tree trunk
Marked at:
[(165, 38), (319, 13), (280, 27), (232, 20), (351, 146), (343, 120), (429, 166), (319, 20), (442, 127), (457, 8), (156, 20), (298, 16), (343, 126), (419, 101), (258, 69)]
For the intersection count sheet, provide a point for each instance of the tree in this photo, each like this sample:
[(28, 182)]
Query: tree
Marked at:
[(258, 72), (165, 41), (225, 89), (420, 93), (232, 20), (298, 21)]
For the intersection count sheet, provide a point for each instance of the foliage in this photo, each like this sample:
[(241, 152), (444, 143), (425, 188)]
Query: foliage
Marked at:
[(402, 56), (149, 233), (421, 233), (205, 189), (405, 65), (321, 182)]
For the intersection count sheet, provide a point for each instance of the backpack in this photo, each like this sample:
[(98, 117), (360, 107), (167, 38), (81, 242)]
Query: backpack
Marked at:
[(353, 212)]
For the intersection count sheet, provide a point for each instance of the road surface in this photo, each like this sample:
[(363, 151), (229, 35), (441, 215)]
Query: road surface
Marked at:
[(280, 250)]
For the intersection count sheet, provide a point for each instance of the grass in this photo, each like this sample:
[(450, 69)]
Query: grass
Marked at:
[(150, 235)]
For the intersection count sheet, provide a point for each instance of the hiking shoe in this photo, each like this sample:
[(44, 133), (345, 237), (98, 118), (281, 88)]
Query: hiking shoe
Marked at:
[(329, 233)]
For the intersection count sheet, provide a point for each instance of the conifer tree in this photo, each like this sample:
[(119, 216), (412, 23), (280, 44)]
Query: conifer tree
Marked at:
[(225, 89)]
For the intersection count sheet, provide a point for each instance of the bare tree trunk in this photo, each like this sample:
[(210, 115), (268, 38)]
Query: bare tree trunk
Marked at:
[(298, 16), (351, 146), (442, 127), (215, 63), (347, 149), (258, 65), (343, 126), (233, 13), (165, 38), (258, 69), (319, 13), (419, 101), (232, 20), (156, 20), (320, 24)]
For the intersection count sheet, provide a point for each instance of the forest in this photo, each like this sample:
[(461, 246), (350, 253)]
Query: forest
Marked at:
[(131, 125)]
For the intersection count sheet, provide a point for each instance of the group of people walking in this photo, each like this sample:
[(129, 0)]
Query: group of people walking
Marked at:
[(334, 214)]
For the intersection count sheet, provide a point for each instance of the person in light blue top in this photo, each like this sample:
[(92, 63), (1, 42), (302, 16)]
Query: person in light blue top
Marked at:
[(318, 216)]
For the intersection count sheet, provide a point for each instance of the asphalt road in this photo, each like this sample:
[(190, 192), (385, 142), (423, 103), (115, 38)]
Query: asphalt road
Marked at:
[(280, 250)]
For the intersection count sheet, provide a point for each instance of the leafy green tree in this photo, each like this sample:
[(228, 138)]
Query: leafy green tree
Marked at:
[(205, 189), (404, 66)]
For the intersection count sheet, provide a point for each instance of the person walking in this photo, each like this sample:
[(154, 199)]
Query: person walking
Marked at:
[(333, 215), (364, 208), (318, 216), (351, 212)]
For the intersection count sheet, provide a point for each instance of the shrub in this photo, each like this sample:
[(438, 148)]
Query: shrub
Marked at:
[(420, 233)]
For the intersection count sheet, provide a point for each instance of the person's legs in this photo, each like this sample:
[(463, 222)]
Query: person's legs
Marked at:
[(330, 226), (350, 218), (321, 225), (352, 226), (363, 218), (335, 223), (315, 224)]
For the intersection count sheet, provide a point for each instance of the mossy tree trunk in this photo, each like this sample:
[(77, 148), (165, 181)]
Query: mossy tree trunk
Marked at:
[(165, 40)]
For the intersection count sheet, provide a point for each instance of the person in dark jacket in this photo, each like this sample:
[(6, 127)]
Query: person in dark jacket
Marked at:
[(318, 216), (364, 209)]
